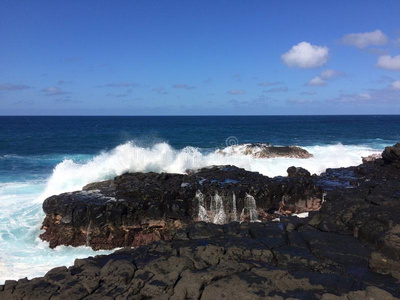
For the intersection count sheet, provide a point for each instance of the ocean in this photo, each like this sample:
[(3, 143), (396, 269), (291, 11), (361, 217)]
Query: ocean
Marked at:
[(43, 156)]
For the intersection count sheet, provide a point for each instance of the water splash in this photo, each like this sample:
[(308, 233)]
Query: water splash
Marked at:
[(203, 215), (323, 197), (217, 208), (73, 174), (234, 210), (88, 234), (249, 209)]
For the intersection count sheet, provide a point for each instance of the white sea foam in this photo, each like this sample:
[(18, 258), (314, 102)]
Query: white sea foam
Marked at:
[(23, 254), (70, 175)]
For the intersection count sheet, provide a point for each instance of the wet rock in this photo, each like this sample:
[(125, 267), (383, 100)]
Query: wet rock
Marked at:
[(259, 150), (348, 247), (297, 172), (371, 158), (371, 293), (232, 261), (381, 264), (391, 155), (139, 208)]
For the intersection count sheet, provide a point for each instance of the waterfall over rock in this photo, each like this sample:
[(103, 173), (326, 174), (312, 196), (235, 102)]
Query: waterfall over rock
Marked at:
[(203, 215), (88, 234), (249, 210), (234, 210), (217, 209), (216, 213)]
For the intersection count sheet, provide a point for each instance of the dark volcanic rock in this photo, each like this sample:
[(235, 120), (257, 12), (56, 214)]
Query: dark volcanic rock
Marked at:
[(232, 261), (138, 208), (391, 155), (347, 249), (371, 158), (364, 202), (297, 172), (259, 150)]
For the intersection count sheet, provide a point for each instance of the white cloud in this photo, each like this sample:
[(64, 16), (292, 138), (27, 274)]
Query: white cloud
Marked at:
[(308, 93), (396, 85), (389, 63), (122, 84), (371, 96), (183, 86), (301, 101), (354, 98), (53, 91), (304, 55), (62, 82), (363, 40), (321, 79), (267, 83), (160, 90), (12, 87), (365, 96), (328, 74), (277, 90), (317, 81)]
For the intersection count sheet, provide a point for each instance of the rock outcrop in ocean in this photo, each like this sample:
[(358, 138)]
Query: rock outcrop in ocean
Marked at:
[(137, 208), (265, 150), (348, 247)]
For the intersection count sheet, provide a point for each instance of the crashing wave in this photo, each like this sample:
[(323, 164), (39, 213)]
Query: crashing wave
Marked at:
[(70, 175)]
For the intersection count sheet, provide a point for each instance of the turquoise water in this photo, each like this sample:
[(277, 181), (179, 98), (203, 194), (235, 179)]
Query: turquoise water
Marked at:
[(42, 156)]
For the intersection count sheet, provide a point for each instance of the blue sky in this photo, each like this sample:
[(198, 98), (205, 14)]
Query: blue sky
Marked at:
[(199, 57)]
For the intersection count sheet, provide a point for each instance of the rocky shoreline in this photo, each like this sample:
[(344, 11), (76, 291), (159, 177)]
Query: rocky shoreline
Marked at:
[(347, 248)]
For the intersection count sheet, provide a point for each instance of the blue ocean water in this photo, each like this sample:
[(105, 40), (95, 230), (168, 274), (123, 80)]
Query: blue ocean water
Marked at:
[(32, 146), (42, 156)]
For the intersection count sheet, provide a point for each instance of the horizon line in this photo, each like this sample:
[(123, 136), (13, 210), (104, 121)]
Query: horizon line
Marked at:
[(290, 115)]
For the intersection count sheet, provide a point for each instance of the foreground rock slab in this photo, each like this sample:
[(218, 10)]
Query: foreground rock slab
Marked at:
[(290, 259)]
